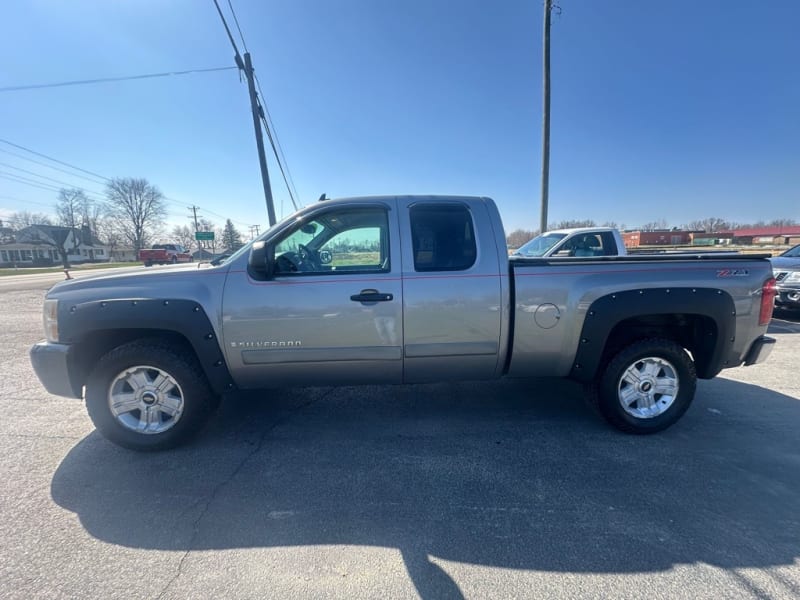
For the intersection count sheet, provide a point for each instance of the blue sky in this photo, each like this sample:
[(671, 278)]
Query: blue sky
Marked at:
[(675, 110)]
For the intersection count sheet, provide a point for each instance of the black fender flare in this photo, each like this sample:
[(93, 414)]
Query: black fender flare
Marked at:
[(608, 311), (77, 322)]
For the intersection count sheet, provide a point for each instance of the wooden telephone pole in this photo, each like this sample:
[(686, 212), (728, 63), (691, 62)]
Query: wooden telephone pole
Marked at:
[(548, 7)]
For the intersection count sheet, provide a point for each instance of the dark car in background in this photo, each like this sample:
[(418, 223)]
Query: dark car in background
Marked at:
[(786, 269)]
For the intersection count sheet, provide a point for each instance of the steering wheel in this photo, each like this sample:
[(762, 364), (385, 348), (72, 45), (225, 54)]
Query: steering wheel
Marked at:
[(289, 262), (308, 258)]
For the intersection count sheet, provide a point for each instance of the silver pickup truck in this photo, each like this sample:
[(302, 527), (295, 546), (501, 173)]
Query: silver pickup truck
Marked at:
[(398, 290)]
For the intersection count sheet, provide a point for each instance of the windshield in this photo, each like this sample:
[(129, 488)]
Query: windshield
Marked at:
[(222, 260), (792, 252), (539, 245)]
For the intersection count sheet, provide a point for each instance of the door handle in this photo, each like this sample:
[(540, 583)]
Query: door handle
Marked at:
[(371, 296)]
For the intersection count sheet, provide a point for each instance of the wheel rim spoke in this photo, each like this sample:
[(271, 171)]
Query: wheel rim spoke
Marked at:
[(628, 395), (666, 387), (125, 403), (171, 405), (138, 380)]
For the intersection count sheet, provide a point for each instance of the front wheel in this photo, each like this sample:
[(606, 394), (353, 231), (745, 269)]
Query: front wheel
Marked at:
[(647, 386), (148, 395)]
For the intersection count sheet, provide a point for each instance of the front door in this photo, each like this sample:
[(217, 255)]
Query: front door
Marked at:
[(332, 313)]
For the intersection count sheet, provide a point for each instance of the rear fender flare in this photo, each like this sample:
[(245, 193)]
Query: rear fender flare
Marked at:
[(605, 313)]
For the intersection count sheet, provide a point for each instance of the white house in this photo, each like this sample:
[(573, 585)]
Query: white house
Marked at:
[(40, 246)]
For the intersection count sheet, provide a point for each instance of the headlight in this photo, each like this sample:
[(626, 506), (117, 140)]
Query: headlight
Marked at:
[(792, 277), (50, 318)]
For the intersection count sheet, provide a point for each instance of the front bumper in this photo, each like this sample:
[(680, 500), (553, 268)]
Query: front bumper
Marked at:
[(787, 296), (51, 363), (759, 351)]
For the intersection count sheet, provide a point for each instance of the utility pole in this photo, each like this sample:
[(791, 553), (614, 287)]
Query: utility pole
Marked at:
[(196, 228), (262, 157), (548, 7)]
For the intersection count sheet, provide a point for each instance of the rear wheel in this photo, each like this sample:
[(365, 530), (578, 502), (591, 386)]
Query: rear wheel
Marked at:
[(148, 395), (647, 386)]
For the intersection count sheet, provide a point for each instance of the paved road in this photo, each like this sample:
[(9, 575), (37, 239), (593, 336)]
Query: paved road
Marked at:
[(44, 281), (464, 490)]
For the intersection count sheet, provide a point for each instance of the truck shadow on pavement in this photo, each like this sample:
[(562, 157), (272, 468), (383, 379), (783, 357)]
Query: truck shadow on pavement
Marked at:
[(785, 321), (512, 474)]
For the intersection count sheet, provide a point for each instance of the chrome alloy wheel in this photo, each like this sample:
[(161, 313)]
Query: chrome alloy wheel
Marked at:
[(145, 399), (648, 387)]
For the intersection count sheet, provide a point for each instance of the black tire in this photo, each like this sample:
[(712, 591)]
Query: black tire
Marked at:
[(198, 400), (605, 394), (148, 263)]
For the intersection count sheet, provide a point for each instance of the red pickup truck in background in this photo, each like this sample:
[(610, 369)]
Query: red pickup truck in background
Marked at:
[(163, 254)]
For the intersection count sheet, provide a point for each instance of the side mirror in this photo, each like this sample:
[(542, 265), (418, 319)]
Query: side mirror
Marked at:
[(261, 263)]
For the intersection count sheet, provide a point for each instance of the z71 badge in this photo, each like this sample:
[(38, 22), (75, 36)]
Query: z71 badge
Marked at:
[(733, 273)]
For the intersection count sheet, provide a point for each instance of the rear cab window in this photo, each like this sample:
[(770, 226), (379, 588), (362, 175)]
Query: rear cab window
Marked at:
[(442, 237)]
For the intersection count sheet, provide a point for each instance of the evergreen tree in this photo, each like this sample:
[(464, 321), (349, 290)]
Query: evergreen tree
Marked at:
[(231, 238)]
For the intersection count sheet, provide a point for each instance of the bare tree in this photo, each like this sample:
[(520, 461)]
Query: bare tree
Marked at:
[(785, 222), (614, 225), (137, 207), (516, 238), (110, 234), (70, 206), (709, 225), (23, 219), (183, 235), (572, 223), (655, 225)]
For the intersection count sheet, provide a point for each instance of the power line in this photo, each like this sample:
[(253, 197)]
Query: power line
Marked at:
[(271, 124), (38, 162), (61, 162), (26, 201), (17, 88), (15, 179), (237, 56), (241, 35), (275, 152), (44, 186), (71, 166), (37, 174)]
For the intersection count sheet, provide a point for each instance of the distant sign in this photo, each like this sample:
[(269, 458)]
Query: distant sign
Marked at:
[(204, 236)]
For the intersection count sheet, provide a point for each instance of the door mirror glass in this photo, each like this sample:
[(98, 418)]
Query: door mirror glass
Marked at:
[(261, 262)]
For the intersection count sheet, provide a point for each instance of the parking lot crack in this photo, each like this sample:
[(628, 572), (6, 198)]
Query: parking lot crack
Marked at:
[(231, 476)]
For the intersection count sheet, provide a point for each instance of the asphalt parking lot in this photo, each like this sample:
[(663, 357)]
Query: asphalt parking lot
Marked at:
[(510, 489)]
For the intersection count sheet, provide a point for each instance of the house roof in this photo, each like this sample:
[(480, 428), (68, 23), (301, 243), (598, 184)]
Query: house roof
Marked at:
[(766, 231), (58, 234)]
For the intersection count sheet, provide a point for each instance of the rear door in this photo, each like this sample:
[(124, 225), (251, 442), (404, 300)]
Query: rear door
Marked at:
[(452, 292)]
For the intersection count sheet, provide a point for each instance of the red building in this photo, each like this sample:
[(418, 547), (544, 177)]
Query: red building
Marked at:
[(663, 237), (788, 235)]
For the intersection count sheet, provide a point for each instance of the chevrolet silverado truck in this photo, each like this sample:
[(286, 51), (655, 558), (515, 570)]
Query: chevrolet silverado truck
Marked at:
[(164, 254), (391, 290)]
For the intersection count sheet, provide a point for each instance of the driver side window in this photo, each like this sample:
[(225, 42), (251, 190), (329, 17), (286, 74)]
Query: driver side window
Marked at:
[(348, 240)]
